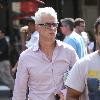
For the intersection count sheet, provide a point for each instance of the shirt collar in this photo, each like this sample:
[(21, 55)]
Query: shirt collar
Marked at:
[(36, 45)]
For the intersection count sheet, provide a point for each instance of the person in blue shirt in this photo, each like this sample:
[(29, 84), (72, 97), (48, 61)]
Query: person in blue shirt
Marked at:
[(71, 37)]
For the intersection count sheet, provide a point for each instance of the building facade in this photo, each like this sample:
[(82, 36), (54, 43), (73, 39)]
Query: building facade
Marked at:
[(89, 10)]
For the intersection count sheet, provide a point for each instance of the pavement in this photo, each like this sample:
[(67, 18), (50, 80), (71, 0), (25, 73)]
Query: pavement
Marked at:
[(5, 93), (5, 98)]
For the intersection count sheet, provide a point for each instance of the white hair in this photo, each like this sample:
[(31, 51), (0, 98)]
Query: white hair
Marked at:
[(43, 12)]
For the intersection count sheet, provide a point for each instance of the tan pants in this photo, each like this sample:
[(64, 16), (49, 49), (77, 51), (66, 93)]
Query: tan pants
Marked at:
[(5, 75)]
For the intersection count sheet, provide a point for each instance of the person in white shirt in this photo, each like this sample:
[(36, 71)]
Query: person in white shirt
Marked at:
[(80, 29), (83, 81), (29, 37)]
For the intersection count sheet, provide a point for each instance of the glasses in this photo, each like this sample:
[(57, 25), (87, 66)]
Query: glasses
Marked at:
[(48, 25)]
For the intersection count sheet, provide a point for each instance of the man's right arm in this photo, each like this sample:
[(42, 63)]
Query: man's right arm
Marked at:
[(72, 93), (21, 81), (75, 81)]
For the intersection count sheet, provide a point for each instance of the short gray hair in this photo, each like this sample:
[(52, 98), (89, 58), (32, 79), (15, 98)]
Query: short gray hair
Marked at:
[(69, 22), (44, 11)]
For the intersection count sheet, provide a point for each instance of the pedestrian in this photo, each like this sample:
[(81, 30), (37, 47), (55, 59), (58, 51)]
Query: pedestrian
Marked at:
[(80, 25), (83, 81), (28, 33), (42, 67), (71, 37), (29, 37), (5, 75)]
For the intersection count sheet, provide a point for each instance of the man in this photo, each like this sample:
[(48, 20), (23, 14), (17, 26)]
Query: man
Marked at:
[(5, 75), (67, 26), (28, 33), (71, 37), (80, 29), (83, 81), (29, 37), (79, 25), (42, 67)]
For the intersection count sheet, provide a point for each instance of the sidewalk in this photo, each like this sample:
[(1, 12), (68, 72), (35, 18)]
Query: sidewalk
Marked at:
[(5, 98), (4, 93)]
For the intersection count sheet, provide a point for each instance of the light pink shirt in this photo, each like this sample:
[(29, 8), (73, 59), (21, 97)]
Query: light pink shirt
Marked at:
[(43, 77)]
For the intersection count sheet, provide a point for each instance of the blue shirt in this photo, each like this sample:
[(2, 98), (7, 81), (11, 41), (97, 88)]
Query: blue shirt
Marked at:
[(76, 41)]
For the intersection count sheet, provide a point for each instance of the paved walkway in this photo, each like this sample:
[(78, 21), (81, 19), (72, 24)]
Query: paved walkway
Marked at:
[(5, 98), (4, 93)]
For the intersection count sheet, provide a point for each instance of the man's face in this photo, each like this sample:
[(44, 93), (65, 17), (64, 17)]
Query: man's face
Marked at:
[(98, 37), (47, 28), (65, 29), (81, 27), (31, 27)]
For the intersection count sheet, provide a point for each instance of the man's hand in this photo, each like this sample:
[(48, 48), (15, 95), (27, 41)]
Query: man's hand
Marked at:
[(60, 94)]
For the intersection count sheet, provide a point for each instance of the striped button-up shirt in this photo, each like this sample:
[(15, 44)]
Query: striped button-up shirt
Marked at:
[(43, 77)]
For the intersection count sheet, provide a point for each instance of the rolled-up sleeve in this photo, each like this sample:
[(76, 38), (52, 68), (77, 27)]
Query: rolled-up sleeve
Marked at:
[(74, 58), (76, 77), (21, 81)]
